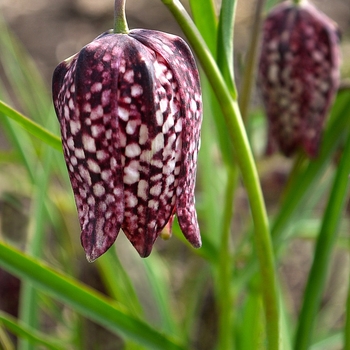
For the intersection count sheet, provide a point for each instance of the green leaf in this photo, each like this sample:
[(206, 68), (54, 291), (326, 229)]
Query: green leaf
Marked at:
[(32, 127), (324, 245), (225, 44), (304, 181), (28, 309), (23, 331), (155, 269), (118, 282), (88, 302), (203, 13)]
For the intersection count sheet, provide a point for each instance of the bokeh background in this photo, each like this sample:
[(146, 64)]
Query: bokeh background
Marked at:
[(53, 30)]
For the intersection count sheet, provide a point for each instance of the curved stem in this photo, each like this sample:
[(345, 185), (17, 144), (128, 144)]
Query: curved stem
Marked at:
[(120, 23), (247, 166)]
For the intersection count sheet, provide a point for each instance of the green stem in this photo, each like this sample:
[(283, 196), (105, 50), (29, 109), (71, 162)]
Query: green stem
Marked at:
[(324, 245), (249, 70), (120, 23), (225, 295), (247, 166)]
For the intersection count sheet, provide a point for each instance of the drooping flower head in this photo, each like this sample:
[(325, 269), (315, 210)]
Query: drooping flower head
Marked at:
[(130, 111), (298, 75)]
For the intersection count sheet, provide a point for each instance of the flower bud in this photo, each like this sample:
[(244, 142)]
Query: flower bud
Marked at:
[(298, 75), (130, 111)]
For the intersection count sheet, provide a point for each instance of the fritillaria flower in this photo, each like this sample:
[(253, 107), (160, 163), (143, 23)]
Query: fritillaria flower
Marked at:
[(130, 110), (298, 75)]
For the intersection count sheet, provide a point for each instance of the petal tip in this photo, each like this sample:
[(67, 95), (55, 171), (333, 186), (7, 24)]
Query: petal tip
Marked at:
[(96, 245), (144, 251), (93, 254), (189, 226)]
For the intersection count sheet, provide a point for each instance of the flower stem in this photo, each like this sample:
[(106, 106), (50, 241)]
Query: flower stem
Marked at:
[(120, 23), (248, 169)]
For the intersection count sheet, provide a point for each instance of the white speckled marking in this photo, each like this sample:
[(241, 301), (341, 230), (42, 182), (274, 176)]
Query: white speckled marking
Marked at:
[(143, 137), (97, 87), (142, 188), (101, 155), (79, 153), (93, 166), (169, 123), (98, 190), (131, 126), (156, 190), (136, 90), (74, 126), (159, 117), (154, 204), (106, 175), (132, 150), (130, 200), (97, 113), (131, 173), (158, 143), (129, 76), (123, 113), (97, 130), (88, 143)]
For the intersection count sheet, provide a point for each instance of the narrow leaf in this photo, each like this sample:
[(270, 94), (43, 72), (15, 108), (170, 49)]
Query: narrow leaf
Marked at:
[(203, 13), (88, 302), (29, 333), (32, 127), (324, 245), (225, 44)]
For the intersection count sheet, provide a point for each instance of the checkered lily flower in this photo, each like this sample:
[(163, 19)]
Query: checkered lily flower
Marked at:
[(298, 75), (130, 111)]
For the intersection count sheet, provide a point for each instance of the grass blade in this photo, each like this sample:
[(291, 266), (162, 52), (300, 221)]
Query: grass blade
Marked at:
[(203, 12), (29, 333), (88, 302), (305, 180), (225, 44), (32, 127), (324, 245)]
